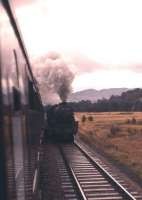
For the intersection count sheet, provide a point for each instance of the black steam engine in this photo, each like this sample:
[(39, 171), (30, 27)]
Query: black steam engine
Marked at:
[(61, 124)]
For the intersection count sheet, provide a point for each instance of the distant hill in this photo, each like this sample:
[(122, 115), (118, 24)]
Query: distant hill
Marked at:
[(93, 95), (131, 100)]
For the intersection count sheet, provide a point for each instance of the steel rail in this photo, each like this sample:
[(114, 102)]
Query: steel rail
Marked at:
[(73, 176), (125, 194)]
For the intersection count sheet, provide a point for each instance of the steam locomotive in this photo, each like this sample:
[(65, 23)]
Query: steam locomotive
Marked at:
[(21, 113), (61, 124)]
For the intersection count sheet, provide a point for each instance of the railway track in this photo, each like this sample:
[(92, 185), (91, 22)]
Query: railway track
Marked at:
[(81, 177)]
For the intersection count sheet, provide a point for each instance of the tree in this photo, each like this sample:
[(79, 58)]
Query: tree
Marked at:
[(83, 118), (90, 118)]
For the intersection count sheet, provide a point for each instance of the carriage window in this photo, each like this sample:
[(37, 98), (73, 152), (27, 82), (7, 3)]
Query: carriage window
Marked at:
[(17, 68), (31, 95), (34, 102), (16, 91), (16, 99)]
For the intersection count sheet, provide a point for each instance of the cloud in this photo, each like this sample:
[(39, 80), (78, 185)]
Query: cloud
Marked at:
[(130, 67), (83, 63), (88, 73), (108, 79), (19, 3), (136, 68)]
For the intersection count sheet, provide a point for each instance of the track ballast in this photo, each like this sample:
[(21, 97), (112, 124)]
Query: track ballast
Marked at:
[(78, 176)]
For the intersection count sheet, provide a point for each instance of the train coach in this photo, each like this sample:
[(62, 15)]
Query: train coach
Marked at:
[(61, 124), (20, 110)]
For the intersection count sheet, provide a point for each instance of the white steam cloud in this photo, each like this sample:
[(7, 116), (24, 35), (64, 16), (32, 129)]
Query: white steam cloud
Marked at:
[(55, 77)]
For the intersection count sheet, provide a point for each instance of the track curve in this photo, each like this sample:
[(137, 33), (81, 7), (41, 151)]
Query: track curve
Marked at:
[(83, 178)]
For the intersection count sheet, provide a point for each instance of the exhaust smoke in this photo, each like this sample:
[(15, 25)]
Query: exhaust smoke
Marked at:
[(55, 78)]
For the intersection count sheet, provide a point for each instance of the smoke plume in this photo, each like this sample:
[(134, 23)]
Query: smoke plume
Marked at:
[(55, 78)]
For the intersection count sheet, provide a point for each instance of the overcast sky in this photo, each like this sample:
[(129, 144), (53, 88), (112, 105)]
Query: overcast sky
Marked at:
[(102, 38)]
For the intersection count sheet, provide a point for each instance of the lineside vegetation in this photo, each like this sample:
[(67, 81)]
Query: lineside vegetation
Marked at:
[(117, 134)]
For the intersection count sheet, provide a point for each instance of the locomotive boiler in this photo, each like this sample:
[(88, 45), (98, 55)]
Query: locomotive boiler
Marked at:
[(61, 124)]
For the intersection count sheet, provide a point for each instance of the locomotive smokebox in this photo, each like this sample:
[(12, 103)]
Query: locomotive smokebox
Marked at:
[(61, 124)]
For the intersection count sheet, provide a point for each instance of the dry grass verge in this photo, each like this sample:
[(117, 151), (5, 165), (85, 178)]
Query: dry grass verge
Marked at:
[(118, 135)]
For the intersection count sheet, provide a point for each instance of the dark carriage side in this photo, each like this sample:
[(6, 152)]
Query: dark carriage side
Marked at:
[(21, 114)]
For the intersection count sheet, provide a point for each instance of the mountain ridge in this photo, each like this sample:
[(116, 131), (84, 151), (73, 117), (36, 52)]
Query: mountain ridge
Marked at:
[(93, 95)]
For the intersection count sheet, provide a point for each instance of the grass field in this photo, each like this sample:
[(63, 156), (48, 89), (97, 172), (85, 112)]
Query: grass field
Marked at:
[(117, 134)]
